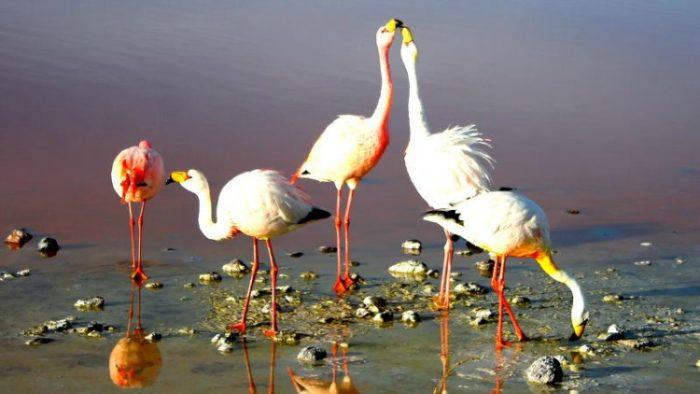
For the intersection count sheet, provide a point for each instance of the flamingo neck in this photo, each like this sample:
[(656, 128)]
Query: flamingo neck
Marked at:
[(579, 302), (380, 117), (416, 114), (216, 231)]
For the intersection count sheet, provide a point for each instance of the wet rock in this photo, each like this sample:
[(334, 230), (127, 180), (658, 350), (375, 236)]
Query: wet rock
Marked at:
[(35, 331), (17, 238), (374, 302), (573, 211), (225, 342), (428, 289), (327, 249), (189, 285), (362, 312), (48, 247), (642, 263), (96, 303), (210, 277), (308, 275), (697, 363), (295, 255), (92, 330), (383, 316), (433, 273), (267, 308), (311, 355), (470, 288), (154, 336), (545, 370), (481, 317), (412, 247), (410, 317), (6, 276), (645, 244), (637, 344), (612, 298), (235, 268), (520, 301), (186, 331), (24, 272), (38, 341), (614, 333), (455, 275), (58, 325), (485, 267), (355, 263), (679, 260), (257, 293), (409, 268), (153, 285)]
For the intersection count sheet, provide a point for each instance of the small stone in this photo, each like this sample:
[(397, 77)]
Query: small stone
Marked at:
[(311, 355), (612, 334), (433, 273), (612, 298), (637, 344), (354, 263), (679, 311), (545, 370), (189, 285), (485, 267), (295, 255), (456, 275), (362, 312), (235, 268), (483, 313), (679, 260), (154, 336), (573, 211), (470, 288), (327, 249), (409, 268), (410, 317), (267, 308), (38, 341), (286, 289), (7, 276), (17, 238), (24, 272), (520, 301), (697, 363), (308, 275), (412, 247), (478, 321), (375, 301), (428, 289), (225, 342), (210, 277), (154, 285), (48, 247), (383, 316), (186, 331), (643, 263), (58, 325), (96, 303), (257, 293), (645, 244), (41, 329)]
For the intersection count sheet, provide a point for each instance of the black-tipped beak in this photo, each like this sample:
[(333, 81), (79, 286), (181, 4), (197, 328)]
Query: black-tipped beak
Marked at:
[(170, 180), (574, 337), (399, 23)]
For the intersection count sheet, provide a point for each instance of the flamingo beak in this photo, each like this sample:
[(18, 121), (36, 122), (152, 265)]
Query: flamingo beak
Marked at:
[(177, 177), (578, 331), (393, 24), (407, 35)]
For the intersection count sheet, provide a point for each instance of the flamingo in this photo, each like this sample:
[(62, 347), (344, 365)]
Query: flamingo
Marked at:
[(137, 176), (445, 167), (509, 224), (259, 203), (350, 147)]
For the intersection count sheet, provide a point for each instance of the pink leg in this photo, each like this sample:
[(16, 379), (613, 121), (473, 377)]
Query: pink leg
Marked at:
[(138, 274), (496, 286), (273, 272), (241, 327), (132, 229), (273, 360), (348, 280), (518, 330), (339, 286), (442, 301)]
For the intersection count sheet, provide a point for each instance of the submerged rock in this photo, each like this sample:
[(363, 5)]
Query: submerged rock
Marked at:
[(327, 249), (384, 316), (154, 285), (485, 267), (96, 303), (637, 344), (612, 298), (235, 268), (38, 341), (154, 336), (545, 370), (225, 342), (295, 255), (412, 247), (17, 238), (308, 275), (409, 268), (48, 247), (210, 277), (410, 317), (520, 301), (470, 288), (311, 355), (24, 272)]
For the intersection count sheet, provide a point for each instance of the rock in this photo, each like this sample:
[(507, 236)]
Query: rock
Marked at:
[(433, 273), (483, 313), (611, 298), (92, 329), (225, 342), (17, 238), (189, 285), (362, 312), (410, 317), (642, 263), (485, 267), (186, 331), (38, 341), (697, 363), (428, 289), (24, 272), (96, 303), (478, 321), (613, 334), (645, 244), (311, 355), (545, 370), (374, 301), (520, 301), (455, 275), (154, 285), (573, 211), (267, 308), (637, 344), (58, 325), (48, 247), (412, 247), (470, 288), (6, 276), (679, 260), (154, 336), (210, 277), (327, 249), (308, 275), (295, 255), (235, 268), (409, 268), (383, 316), (257, 293)]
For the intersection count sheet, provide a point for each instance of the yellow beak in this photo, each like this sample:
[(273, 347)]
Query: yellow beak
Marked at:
[(393, 24), (407, 35), (177, 176), (578, 332)]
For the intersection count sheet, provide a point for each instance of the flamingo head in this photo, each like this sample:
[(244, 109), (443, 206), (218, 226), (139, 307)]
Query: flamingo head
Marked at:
[(579, 323), (409, 51), (191, 180), (385, 34)]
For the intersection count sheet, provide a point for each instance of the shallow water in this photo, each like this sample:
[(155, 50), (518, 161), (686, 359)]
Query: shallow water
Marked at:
[(590, 105)]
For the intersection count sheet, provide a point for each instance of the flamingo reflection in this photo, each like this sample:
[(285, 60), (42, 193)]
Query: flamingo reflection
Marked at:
[(501, 368), (252, 389), (134, 362), (444, 352), (318, 386)]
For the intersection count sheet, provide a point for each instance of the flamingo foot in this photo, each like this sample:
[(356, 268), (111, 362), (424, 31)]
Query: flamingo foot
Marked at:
[(240, 327), (522, 337), (441, 303), (138, 276), (500, 343), (340, 287), (350, 282), (270, 333)]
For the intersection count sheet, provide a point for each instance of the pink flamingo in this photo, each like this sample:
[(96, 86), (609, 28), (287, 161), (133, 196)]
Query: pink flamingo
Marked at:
[(137, 176), (350, 147)]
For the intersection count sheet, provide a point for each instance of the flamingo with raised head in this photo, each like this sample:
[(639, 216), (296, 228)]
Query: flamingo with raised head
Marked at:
[(349, 148), (261, 204), (137, 176)]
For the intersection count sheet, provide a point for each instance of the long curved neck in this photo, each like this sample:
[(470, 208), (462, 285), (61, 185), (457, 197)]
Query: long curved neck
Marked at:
[(416, 115), (380, 117), (214, 231), (579, 302)]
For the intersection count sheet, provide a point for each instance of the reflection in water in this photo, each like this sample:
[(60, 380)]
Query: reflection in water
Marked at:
[(444, 352), (249, 371), (134, 362), (319, 386), (501, 370)]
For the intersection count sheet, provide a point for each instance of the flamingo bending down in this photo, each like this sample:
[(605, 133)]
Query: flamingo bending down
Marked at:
[(509, 224), (445, 167), (259, 203), (137, 176), (350, 147)]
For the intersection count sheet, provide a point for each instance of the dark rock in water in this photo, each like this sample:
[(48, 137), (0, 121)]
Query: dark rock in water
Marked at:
[(96, 303), (308, 275), (225, 342), (235, 268), (210, 277), (384, 316), (637, 344), (24, 272), (328, 249), (295, 255), (48, 247), (573, 211), (470, 288), (520, 301), (311, 355), (17, 238), (154, 336), (485, 267), (412, 247), (154, 285), (38, 341), (374, 301), (410, 317), (362, 312), (545, 370)]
